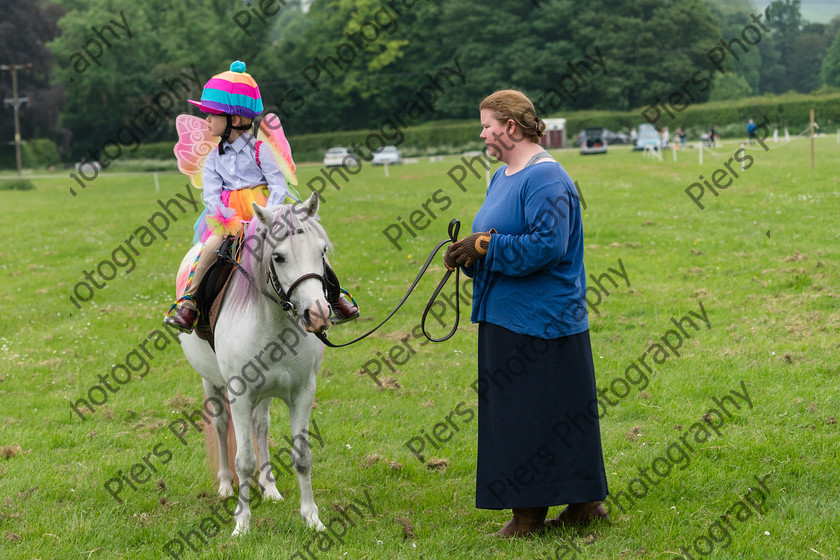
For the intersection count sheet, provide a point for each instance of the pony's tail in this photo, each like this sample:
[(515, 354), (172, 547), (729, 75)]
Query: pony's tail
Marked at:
[(212, 445)]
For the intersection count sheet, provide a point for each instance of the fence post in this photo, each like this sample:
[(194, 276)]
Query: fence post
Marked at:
[(812, 138)]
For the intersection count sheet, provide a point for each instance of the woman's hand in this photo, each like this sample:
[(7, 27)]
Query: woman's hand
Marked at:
[(468, 250), (448, 259)]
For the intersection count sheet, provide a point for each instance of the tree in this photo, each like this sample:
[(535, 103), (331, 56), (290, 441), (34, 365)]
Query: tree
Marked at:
[(25, 27), (830, 72), (732, 16), (729, 86), (128, 86), (649, 49), (806, 56)]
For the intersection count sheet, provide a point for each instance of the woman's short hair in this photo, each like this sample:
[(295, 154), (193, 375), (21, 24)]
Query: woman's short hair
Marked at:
[(513, 104)]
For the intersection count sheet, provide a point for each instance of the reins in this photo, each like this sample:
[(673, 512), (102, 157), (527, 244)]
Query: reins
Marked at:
[(285, 303)]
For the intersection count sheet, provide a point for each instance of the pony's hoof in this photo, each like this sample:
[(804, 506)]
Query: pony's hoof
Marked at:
[(313, 522), (239, 532), (225, 491), (272, 495)]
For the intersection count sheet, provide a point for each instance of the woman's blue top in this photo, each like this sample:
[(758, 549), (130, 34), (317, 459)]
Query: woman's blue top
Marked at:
[(532, 280)]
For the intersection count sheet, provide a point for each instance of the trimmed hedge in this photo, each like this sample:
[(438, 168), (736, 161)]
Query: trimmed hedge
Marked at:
[(40, 152), (427, 139), (156, 150), (729, 118), (446, 137)]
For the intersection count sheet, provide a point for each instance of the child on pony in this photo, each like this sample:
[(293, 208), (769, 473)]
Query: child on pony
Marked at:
[(235, 174)]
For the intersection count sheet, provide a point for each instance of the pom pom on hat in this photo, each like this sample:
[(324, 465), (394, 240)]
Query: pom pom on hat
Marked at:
[(237, 66)]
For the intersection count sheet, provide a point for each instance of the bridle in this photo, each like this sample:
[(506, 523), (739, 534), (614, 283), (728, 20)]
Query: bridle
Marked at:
[(282, 297), (285, 296)]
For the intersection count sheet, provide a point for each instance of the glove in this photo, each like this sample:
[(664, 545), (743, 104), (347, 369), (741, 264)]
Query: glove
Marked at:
[(448, 259), (469, 249)]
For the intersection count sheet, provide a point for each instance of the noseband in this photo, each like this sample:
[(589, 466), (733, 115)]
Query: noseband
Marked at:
[(285, 296)]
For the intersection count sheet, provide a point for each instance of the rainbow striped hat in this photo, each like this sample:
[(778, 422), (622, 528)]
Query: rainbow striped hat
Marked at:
[(234, 93)]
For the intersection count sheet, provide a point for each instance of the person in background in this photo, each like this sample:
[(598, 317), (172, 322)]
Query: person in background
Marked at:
[(751, 126), (712, 137)]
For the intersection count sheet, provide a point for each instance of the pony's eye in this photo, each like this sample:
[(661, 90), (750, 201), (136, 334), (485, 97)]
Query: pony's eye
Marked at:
[(278, 258)]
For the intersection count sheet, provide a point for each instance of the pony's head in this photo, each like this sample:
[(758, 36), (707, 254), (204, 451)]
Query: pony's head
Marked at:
[(289, 240)]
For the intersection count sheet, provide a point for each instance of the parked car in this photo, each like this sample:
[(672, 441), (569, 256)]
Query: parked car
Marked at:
[(387, 154), (336, 156), (593, 141), (614, 138), (648, 137)]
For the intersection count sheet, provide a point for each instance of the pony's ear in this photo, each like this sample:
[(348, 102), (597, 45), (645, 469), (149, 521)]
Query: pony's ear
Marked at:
[(311, 205), (266, 217)]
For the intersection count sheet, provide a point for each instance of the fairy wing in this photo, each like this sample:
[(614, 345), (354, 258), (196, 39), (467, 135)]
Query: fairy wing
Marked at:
[(195, 142), (273, 135)]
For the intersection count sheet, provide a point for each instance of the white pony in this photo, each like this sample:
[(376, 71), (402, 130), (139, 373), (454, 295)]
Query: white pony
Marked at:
[(262, 352)]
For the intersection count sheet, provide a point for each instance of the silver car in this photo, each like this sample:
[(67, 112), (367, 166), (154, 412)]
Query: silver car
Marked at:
[(387, 154), (336, 157)]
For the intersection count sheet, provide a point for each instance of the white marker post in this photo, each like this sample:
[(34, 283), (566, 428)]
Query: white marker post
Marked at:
[(787, 135), (743, 147), (700, 151), (157, 182), (812, 138), (386, 169), (775, 135)]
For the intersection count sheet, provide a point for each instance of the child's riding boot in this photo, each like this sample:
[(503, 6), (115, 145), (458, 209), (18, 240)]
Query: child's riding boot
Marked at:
[(343, 310), (184, 318), (183, 315)]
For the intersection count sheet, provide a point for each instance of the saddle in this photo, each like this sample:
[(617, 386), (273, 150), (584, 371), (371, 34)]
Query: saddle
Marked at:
[(213, 287), (211, 291)]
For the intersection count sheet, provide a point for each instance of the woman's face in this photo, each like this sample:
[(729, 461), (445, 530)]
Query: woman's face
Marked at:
[(495, 135)]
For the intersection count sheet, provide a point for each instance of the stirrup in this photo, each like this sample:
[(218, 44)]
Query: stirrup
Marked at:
[(335, 319), (168, 319)]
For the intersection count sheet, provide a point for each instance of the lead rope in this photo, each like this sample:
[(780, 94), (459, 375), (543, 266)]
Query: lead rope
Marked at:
[(454, 228)]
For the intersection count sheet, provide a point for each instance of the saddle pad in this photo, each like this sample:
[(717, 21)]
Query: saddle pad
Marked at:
[(211, 291)]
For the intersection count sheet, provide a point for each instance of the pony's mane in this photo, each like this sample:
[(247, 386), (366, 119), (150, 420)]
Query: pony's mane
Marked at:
[(258, 246)]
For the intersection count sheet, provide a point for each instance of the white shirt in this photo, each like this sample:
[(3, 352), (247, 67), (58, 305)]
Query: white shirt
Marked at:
[(237, 169)]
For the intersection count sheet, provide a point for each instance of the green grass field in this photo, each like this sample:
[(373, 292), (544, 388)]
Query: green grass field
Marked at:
[(762, 258)]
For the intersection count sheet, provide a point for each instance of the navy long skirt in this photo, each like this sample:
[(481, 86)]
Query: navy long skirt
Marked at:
[(539, 440)]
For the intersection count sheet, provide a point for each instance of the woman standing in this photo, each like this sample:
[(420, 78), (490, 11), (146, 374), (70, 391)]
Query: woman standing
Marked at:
[(539, 441)]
